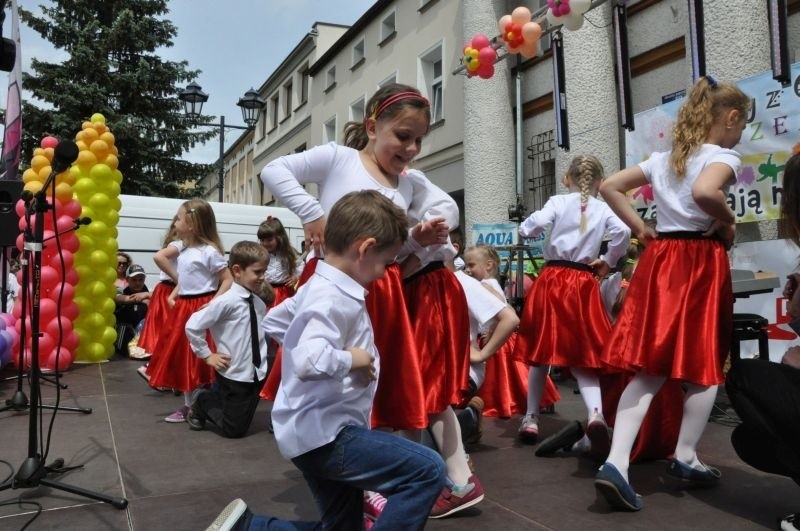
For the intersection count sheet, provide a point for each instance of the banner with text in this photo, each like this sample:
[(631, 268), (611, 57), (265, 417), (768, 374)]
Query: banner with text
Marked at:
[(767, 142)]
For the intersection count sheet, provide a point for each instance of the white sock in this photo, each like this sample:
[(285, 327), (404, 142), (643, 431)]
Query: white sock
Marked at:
[(696, 408), (447, 434), (589, 384), (187, 399), (632, 408), (537, 376)]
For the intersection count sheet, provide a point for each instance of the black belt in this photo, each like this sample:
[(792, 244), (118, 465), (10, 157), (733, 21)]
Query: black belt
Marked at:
[(167, 282), (433, 266), (684, 235), (196, 295), (570, 264)]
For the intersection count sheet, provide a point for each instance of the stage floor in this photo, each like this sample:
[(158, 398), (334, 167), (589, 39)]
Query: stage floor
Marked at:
[(177, 479)]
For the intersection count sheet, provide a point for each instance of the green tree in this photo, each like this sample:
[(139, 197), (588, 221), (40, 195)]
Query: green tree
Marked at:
[(112, 67)]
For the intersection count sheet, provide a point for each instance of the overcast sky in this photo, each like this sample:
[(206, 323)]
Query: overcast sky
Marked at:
[(235, 43)]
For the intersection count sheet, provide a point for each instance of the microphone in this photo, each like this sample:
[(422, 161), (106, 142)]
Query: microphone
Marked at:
[(26, 196), (64, 155), (82, 221)]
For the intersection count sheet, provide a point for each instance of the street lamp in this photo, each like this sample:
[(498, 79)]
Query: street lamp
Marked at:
[(251, 103)]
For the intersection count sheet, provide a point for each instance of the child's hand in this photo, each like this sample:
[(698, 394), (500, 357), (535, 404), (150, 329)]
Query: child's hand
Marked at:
[(646, 235), (475, 355), (600, 268), (363, 360), (724, 231), (218, 361), (432, 232), (171, 302), (292, 282)]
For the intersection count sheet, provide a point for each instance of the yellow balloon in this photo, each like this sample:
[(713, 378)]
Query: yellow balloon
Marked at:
[(86, 159), (38, 162), (108, 336), (80, 143), (30, 175), (63, 192), (100, 172), (98, 118), (38, 151), (111, 161), (44, 173), (34, 186), (98, 258)]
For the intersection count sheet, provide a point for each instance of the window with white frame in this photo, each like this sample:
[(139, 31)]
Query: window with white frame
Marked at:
[(388, 28), (358, 109), (329, 130), (358, 53), (273, 102), (431, 70), (388, 80), (287, 99), (330, 78), (304, 77)]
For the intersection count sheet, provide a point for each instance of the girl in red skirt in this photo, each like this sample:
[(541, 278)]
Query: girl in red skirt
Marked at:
[(201, 271), (375, 156), (676, 321), (282, 275), (156, 322), (505, 386), (564, 322)]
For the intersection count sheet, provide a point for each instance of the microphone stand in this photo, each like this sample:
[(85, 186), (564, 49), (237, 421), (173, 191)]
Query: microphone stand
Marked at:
[(33, 472)]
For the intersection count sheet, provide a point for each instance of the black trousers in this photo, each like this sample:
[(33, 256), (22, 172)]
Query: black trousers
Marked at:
[(229, 405), (766, 396)]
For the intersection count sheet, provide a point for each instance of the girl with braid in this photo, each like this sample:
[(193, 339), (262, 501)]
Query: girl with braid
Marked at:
[(675, 325), (564, 322)]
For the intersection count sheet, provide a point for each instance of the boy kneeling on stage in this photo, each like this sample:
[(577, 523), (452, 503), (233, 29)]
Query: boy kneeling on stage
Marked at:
[(240, 358)]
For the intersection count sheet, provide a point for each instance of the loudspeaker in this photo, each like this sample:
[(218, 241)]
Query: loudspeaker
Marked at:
[(10, 192)]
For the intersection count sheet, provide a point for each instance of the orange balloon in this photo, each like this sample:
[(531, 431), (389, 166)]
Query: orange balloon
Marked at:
[(86, 159), (34, 186), (63, 192), (86, 125), (38, 162), (108, 138), (99, 148), (90, 135), (100, 127), (44, 173), (80, 143), (114, 150), (111, 161), (38, 151), (49, 152)]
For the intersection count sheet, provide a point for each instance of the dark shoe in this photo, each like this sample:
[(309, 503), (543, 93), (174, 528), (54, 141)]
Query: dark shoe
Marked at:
[(679, 470), (449, 502), (616, 491), (234, 517), (195, 419), (476, 404), (790, 522), (563, 439)]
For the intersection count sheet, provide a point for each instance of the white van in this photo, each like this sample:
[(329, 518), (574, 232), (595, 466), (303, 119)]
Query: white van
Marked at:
[(143, 223)]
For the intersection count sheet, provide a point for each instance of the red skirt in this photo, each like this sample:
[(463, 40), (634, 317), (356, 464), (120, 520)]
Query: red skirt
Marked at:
[(564, 322), (270, 388), (505, 387), (176, 366), (437, 307), (658, 434), (399, 401), (157, 320), (677, 317), (400, 398)]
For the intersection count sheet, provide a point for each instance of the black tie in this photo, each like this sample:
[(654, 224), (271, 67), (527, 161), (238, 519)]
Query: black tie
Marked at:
[(254, 341)]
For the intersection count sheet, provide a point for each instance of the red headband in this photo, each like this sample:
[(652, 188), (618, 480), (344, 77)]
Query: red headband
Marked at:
[(394, 98)]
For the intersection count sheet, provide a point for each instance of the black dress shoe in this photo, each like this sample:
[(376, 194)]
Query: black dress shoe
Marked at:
[(562, 439), (195, 419)]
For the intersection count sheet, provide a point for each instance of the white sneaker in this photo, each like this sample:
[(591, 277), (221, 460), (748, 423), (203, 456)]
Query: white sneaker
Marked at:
[(790, 522), (529, 428), (232, 517)]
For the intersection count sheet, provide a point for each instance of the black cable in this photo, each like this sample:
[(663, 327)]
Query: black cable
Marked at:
[(20, 502), (595, 25)]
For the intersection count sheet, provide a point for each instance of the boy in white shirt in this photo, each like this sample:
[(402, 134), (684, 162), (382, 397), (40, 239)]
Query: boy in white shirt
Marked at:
[(234, 320), (330, 370)]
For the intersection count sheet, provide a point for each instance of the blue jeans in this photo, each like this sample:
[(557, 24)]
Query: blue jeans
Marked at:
[(408, 474)]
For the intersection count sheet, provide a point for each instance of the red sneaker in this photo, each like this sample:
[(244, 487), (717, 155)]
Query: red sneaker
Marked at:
[(449, 502)]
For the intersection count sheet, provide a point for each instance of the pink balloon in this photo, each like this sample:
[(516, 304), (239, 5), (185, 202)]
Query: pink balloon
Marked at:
[(59, 360), (521, 15), (70, 311), (14, 336), (72, 208), (70, 242), (531, 31), (72, 277), (50, 277), (480, 41), (529, 49), (16, 311), (19, 208), (47, 310), (486, 71), (504, 21), (20, 241), (8, 319), (49, 142), (64, 223)]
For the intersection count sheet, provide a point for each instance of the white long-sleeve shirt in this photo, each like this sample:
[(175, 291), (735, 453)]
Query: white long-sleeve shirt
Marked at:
[(338, 170), (677, 211), (566, 242), (318, 394), (228, 319)]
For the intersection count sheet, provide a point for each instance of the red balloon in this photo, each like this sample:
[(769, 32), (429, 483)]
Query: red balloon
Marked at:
[(70, 243), (487, 56), (64, 223), (51, 328), (46, 345), (480, 41), (47, 310), (72, 208), (22, 224), (69, 260), (69, 292), (16, 311), (59, 360), (20, 241), (72, 277), (70, 311), (49, 142), (486, 71), (50, 277)]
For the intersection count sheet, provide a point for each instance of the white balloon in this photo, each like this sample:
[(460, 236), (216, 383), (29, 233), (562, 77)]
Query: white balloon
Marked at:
[(573, 21), (580, 6)]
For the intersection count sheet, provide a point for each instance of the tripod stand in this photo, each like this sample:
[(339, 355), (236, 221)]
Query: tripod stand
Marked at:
[(33, 472), (516, 255)]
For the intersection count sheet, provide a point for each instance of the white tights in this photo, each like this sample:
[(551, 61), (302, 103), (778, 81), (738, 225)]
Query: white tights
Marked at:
[(447, 434), (633, 406), (588, 383)]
